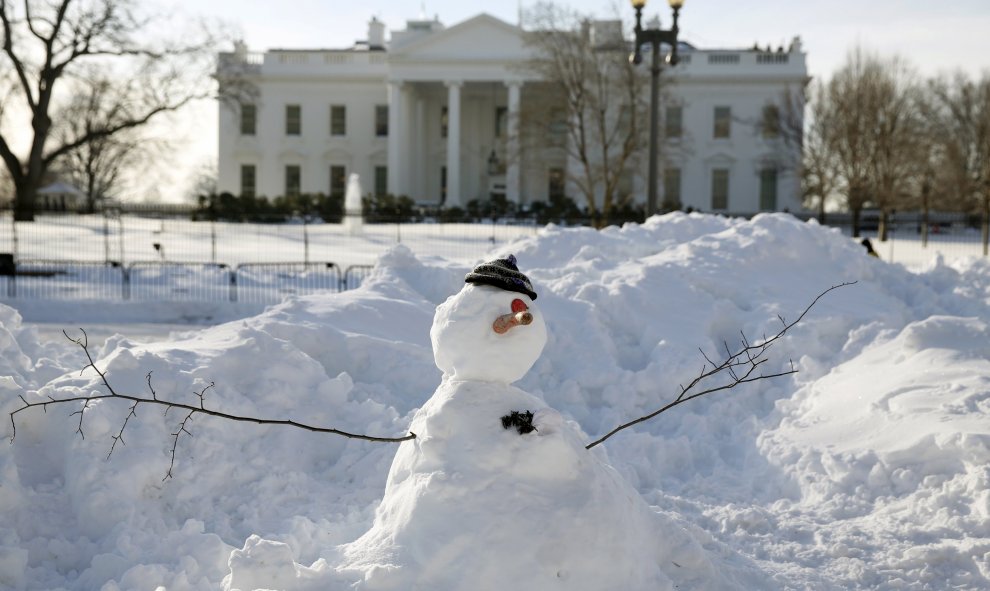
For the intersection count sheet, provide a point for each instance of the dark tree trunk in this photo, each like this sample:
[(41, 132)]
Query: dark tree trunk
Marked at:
[(884, 224), (986, 222), (25, 198), (855, 220)]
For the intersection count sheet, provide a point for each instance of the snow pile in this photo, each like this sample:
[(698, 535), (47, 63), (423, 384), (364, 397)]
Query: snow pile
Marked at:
[(867, 469)]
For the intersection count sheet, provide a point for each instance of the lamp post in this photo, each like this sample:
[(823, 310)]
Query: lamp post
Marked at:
[(654, 37)]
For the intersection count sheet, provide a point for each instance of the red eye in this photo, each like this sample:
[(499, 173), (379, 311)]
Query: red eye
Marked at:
[(519, 306)]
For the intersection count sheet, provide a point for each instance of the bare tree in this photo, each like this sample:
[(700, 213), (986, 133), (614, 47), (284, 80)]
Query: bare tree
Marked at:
[(45, 42), (204, 181), (781, 126), (592, 104), (100, 166), (819, 169), (898, 134), (958, 110), (846, 99), (871, 131), (6, 189)]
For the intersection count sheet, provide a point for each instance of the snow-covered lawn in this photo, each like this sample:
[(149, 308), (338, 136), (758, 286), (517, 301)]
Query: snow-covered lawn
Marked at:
[(133, 238), (868, 469)]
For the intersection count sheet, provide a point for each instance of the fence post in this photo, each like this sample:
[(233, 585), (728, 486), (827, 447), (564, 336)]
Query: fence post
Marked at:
[(306, 239), (213, 242), (8, 268), (120, 234), (13, 231), (106, 236), (233, 283)]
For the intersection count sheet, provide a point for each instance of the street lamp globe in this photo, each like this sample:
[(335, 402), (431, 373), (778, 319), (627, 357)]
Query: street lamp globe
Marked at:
[(675, 3), (638, 4)]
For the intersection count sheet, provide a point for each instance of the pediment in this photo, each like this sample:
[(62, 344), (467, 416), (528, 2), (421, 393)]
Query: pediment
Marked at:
[(482, 37)]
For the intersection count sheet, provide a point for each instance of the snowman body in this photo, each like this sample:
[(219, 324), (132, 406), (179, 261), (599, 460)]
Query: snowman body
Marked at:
[(471, 505)]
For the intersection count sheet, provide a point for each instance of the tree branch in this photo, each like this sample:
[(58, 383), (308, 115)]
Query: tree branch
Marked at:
[(191, 410), (750, 357)]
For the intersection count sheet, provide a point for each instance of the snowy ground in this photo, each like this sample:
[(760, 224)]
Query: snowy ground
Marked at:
[(868, 469), (133, 238)]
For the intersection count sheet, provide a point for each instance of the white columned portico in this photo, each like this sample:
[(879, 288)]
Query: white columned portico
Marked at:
[(395, 137), (514, 157), (453, 143)]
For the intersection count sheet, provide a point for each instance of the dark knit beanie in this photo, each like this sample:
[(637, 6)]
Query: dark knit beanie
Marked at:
[(503, 274)]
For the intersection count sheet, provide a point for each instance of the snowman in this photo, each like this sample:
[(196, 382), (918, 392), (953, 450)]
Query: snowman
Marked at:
[(497, 490)]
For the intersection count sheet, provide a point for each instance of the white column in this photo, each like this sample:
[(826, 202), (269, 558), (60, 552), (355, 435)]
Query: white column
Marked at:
[(512, 176), (453, 143), (395, 139), (419, 153)]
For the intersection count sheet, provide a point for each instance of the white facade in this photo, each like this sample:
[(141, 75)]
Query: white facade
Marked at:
[(471, 74)]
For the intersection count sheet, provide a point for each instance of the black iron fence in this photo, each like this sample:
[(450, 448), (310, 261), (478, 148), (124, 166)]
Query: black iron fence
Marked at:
[(161, 253), (176, 281)]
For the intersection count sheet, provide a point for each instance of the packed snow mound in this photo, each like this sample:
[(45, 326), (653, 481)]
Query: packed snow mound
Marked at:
[(899, 502)]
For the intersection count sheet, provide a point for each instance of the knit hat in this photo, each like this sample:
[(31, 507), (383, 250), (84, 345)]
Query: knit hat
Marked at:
[(503, 274)]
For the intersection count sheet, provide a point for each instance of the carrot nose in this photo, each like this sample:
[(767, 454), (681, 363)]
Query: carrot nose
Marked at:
[(520, 315)]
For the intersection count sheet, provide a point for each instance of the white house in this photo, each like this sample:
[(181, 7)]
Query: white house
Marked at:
[(428, 114)]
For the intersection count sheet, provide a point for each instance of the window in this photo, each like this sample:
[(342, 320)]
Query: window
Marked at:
[(673, 122), (381, 180), (557, 129), (501, 121), (338, 120), (555, 186), (723, 122), (293, 180), (338, 181), (443, 185), (248, 180), (381, 120), (444, 119), (672, 188), (720, 188), (768, 189), (293, 120), (771, 121), (249, 119)]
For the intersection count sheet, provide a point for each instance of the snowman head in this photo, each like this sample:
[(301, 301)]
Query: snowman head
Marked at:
[(491, 330)]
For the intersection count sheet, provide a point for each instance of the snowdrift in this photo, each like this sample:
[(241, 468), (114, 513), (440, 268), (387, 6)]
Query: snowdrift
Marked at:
[(867, 469)]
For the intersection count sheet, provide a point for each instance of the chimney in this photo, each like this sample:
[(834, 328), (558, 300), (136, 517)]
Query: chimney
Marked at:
[(376, 34)]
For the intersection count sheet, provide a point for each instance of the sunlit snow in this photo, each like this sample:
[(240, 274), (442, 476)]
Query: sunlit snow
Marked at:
[(868, 469)]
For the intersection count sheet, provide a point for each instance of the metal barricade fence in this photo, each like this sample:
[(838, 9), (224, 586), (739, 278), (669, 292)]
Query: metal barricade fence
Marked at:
[(354, 276), (169, 280), (270, 282), (74, 280)]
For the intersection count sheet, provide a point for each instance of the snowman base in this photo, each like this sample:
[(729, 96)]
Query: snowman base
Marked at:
[(470, 505)]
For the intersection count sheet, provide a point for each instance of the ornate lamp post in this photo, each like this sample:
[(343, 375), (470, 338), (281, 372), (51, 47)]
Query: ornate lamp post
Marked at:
[(654, 37)]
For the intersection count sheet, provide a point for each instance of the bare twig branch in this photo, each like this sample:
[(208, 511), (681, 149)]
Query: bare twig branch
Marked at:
[(191, 410), (750, 357), (120, 435), (175, 442)]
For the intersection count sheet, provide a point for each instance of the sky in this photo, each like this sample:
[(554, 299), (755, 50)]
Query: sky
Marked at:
[(935, 37)]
